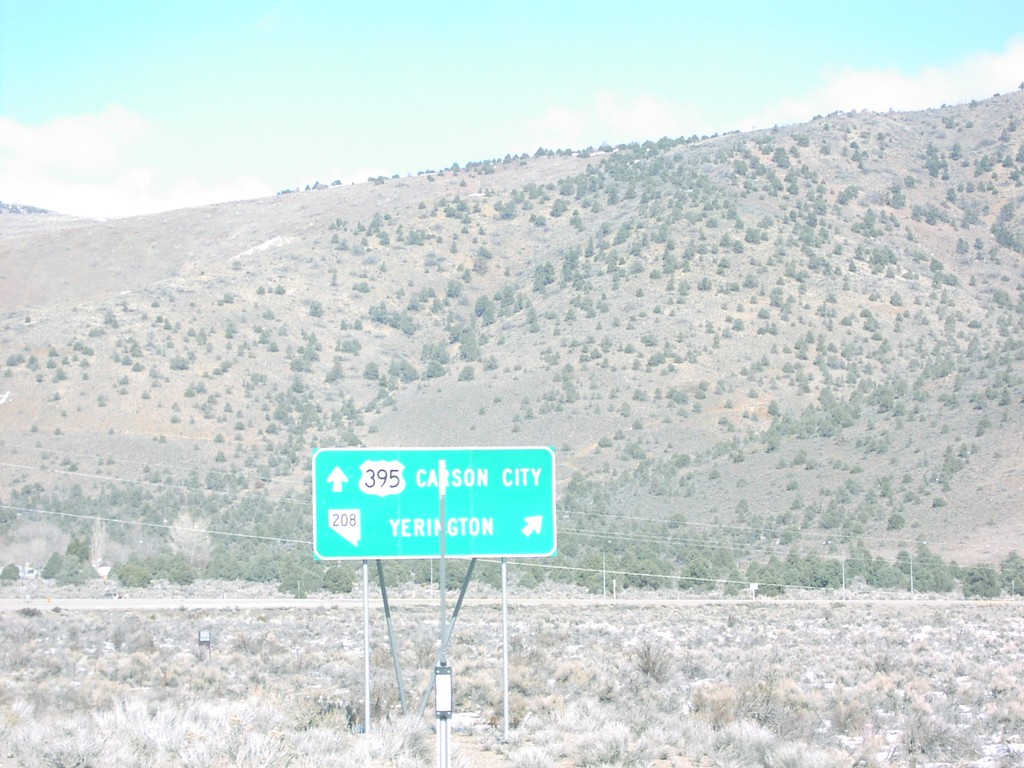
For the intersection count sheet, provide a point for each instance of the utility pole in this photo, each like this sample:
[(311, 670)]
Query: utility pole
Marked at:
[(844, 573), (604, 573), (911, 574)]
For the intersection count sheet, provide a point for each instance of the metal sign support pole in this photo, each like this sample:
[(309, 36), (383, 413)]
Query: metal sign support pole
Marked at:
[(391, 636), (458, 605), (504, 637), (442, 575), (366, 646), (449, 632), (444, 732), (443, 719)]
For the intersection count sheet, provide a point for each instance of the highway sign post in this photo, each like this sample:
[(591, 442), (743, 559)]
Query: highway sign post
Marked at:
[(383, 503), (387, 503)]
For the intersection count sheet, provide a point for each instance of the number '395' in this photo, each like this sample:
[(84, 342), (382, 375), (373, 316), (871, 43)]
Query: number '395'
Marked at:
[(382, 478)]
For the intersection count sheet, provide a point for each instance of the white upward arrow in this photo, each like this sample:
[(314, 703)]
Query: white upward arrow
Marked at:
[(533, 525), (337, 479)]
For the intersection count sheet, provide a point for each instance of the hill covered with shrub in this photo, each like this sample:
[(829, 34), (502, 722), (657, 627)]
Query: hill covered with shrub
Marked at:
[(784, 356)]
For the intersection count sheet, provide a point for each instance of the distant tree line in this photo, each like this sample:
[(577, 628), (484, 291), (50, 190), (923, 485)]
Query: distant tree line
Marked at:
[(698, 567)]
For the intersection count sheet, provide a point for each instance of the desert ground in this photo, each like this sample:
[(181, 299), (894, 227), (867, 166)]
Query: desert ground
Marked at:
[(643, 680)]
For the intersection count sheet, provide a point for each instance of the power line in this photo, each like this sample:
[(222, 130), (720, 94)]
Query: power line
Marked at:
[(632, 519), (523, 563), (700, 543), (744, 528), (147, 464), (733, 547), (137, 481), (662, 576), (164, 526)]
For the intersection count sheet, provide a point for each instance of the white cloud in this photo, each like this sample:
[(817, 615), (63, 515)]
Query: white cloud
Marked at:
[(610, 118), (360, 175), (113, 163), (879, 90), (558, 128), (615, 118), (85, 144), (89, 165), (186, 192), (643, 117)]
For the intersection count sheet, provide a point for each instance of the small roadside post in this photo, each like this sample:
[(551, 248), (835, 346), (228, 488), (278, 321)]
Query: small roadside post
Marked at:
[(443, 713), (206, 639)]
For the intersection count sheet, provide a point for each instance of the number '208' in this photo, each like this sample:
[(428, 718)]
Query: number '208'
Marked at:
[(343, 519)]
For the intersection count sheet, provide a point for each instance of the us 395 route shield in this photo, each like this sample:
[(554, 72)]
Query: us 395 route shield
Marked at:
[(385, 503)]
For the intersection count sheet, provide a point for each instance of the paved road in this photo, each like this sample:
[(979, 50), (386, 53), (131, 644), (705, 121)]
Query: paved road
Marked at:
[(169, 603), (286, 603)]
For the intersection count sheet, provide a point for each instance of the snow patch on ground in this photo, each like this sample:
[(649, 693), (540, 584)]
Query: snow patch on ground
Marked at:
[(274, 242)]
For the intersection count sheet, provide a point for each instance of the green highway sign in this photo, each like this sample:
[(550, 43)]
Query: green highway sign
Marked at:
[(371, 503)]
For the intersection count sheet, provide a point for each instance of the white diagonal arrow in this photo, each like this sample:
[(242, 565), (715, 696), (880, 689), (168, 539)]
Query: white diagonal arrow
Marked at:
[(337, 479), (533, 525)]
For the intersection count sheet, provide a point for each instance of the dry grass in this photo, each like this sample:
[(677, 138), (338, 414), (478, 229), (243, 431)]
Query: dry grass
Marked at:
[(593, 684)]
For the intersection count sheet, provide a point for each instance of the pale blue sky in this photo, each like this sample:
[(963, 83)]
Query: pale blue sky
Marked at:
[(115, 108)]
